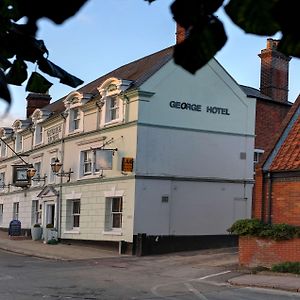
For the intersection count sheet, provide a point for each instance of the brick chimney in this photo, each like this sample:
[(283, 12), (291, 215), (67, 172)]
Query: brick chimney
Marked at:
[(274, 73), (36, 100), (180, 34)]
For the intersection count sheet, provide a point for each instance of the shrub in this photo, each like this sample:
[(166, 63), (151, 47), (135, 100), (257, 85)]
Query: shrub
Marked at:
[(255, 227), (37, 225), (287, 267), (49, 226), (246, 227)]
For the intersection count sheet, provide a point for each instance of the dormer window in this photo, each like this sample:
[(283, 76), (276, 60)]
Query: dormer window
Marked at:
[(112, 109), (18, 143), (73, 104), (74, 119), (111, 92), (38, 134)]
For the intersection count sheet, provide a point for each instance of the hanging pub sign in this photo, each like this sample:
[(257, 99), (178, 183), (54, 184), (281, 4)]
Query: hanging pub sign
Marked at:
[(20, 175), (127, 164)]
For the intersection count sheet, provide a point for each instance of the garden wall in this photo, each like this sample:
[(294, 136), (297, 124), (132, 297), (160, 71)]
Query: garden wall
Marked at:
[(255, 251)]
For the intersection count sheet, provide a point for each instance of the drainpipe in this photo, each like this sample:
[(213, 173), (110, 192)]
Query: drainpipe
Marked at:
[(269, 220)]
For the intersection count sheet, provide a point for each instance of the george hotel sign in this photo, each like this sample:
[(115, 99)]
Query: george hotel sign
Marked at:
[(198, 107), (54, 133)]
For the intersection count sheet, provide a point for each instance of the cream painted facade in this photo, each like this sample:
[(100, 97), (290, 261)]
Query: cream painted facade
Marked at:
[(191, 138)]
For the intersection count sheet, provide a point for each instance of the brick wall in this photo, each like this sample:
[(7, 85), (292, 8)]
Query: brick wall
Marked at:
[(286, 201), (269, 116), (255, 252)]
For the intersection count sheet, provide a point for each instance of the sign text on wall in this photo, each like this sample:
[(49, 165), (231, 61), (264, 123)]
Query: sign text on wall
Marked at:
[(53, 133)]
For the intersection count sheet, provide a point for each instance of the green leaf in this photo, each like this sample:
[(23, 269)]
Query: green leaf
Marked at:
[(200, 46), (255, 17), (37, 83), (192, 12), (4, 63), (290, 44), (17, 73), (56, 10), (51, 69), (4, 92)]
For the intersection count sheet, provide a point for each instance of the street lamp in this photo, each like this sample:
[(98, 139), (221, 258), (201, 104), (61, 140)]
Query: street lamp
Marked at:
[(56, 166)]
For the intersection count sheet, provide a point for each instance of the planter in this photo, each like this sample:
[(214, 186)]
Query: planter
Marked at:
[(50, 234), (36, 233)]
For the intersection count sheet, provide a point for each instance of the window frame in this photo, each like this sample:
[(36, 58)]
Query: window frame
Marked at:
[(36, 212), (38, 135), (3, 151), (16, 210), (38, 172), (75, 214), (19, 143), (1, 213), (2, 181)]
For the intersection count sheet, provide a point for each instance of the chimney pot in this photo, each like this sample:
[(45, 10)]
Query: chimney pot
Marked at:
[(36, 100)]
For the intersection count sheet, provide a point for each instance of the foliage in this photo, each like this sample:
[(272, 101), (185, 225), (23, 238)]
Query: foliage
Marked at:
[(287, 267), (254, 227), (49, 225), (206, 34), (37, 225), (18, 44)]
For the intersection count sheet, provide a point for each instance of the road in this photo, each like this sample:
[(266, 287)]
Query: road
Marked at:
[(183, 276)]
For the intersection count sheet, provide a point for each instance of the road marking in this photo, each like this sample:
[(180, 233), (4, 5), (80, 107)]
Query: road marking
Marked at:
[(195, 291), (211, 275)]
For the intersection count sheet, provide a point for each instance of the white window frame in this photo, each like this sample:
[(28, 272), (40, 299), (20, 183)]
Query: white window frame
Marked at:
[(1, 213), (51, 173), (16, 210), (38, 135), (256, 157), (75, 214), (90, 161), (111, 214), (112, 112), (75, 119), (36, 213), (38, 167), (19, 143)]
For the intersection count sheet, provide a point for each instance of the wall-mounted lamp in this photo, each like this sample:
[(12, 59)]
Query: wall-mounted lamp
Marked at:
[(56, 166), (31, 174)]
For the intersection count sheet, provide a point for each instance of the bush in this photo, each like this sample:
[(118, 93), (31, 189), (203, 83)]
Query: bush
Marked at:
[(37, 225), (255, 227), (287, 267), (246, 227), (49, 226)]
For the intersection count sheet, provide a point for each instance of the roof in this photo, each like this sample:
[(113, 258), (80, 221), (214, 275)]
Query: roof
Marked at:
[(283, 153), (137, 71)]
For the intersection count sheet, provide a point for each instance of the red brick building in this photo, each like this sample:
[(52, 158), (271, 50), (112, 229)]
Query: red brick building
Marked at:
[(277, 193)]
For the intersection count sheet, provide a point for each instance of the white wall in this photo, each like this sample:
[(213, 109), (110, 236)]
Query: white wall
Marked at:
[(211, 86), (194, 208), (166, 152)]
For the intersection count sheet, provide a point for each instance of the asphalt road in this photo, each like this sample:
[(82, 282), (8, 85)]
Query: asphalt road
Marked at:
[(179, 276)]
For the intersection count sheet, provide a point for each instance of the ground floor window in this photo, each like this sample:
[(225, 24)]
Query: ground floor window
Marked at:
[(114, 213), (16, 211), (1, 214), (36, 213), (73, 214)]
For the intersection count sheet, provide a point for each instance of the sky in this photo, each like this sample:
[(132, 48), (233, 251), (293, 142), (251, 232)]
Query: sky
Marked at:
[(105, 35)]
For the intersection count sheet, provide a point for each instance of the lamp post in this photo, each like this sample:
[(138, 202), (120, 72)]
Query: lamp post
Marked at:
[(55, 167)]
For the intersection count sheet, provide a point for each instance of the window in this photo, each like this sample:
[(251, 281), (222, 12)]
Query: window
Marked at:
[(1, 214), (75, 213), (3, 149), (18, 143), (52, 174), (38, 134), (95, 160), (112, 109), (257, 156), (16, 211), (2, 180), (37, 166), (114, 211), (36, 213), (74, 119)]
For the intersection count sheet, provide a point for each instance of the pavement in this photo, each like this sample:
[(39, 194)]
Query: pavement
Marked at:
[(70, 252)]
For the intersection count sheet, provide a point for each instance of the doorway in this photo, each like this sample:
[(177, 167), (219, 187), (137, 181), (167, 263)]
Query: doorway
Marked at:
[(50, 214)]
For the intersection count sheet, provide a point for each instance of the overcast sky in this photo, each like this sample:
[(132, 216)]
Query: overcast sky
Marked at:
[(105, 35)]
